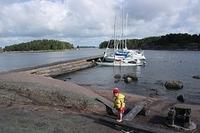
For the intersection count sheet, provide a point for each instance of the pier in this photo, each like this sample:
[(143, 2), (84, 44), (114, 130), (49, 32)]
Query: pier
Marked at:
[(61, 67)]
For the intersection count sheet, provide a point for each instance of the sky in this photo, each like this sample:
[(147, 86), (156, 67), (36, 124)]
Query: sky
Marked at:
[(89, 22)]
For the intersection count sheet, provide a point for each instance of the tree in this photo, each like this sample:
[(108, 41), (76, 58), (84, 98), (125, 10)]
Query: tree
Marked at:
[(1, 50), (40, 45), (168, 42)]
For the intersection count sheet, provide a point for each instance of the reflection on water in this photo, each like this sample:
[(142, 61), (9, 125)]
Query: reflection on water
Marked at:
[(101, 76)]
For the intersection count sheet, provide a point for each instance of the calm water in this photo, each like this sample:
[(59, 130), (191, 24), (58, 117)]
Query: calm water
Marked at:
[(161, 66), (9, 61)]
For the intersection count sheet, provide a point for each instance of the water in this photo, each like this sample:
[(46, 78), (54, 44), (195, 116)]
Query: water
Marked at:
[(161, 66), (11, 60)]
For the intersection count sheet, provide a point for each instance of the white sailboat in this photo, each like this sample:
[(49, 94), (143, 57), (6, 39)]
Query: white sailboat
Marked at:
[(121, 63), (121, 55)]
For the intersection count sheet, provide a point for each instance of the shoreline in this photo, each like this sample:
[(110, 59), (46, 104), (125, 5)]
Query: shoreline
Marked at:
[(38, 51), (46, 51), (74, 49), (21, 92), (166, 49), (151, 94)]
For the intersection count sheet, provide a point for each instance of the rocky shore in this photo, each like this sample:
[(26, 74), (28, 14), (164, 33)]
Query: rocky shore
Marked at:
[(35, 103), (32, 103)]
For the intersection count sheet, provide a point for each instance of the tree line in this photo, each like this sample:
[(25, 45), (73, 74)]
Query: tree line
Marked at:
[(1, 49), (180, 41), (37, 45)]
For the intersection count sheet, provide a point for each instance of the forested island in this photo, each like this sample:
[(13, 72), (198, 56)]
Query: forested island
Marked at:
[(178, 41), (40, 45), (1, 49)]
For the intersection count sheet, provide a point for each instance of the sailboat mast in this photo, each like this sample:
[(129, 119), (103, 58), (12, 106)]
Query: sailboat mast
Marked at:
[(126, 31), (122, 34), (114, 42)]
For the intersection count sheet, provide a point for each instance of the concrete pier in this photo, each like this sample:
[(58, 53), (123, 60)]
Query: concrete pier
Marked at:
[(62, 67)]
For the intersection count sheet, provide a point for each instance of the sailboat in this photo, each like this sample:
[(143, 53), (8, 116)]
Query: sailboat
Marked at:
[(122, 58), (121, 55)]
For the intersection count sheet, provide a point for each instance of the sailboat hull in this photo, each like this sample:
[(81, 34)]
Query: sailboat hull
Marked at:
[(117, 64)]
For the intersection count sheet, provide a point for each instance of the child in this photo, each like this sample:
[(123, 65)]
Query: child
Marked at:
[(119, 103)]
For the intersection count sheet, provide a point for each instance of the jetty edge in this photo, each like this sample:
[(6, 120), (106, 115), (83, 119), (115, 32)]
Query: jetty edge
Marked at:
[(25, 92)]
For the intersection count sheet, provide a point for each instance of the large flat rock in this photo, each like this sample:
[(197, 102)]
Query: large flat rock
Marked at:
[(24, 88)]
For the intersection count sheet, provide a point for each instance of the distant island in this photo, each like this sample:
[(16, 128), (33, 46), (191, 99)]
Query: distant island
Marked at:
[(180, 41), (40, 45), (1, 49)]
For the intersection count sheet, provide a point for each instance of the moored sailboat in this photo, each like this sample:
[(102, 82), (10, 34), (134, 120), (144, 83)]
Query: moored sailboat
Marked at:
[(120, 55)]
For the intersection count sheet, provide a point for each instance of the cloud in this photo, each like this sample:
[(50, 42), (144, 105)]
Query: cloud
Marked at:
[(92, 20), (190, 17), (32, 18)]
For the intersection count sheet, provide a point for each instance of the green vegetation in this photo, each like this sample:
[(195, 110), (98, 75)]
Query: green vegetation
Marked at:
[(167, 42), (1, 50), (37, 45)]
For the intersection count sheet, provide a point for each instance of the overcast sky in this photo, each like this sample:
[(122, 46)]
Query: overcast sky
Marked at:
[(88, 22)]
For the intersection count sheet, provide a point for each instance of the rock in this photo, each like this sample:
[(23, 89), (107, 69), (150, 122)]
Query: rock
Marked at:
[(174, 85), (67, 79), (58, 130), (10, 104), (133, 76), (116, 80), (180, 98), (129, 78), (159, 82), (40, 124), (117, 76), (153, 92), (196, 76)]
